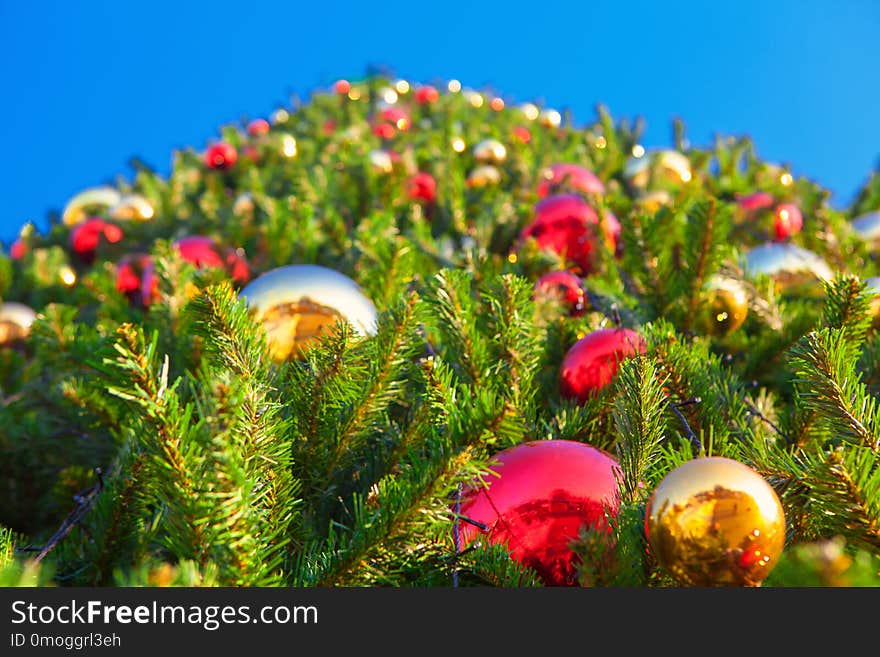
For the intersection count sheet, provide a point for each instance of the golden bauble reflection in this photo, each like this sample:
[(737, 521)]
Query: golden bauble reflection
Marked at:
[(484, 176), (490, 151), (793, 268), (296, 304), (714, 521), (658, 169), (724, 306)]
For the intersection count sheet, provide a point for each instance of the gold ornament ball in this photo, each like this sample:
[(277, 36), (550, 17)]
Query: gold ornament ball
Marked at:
[(724, 306), (714, 521), (87, 201), (15, 322), (664, 168), (550, 118), (792, 268), (490, 151), (296, 304), (132, 207), (873, 284), (867, 227), (381, 162), (484, 176)]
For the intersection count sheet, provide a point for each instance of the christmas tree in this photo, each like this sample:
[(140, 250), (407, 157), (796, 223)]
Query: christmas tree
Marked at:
[(406, 335)]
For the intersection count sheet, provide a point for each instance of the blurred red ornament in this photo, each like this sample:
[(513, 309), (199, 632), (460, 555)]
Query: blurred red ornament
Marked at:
[(84, 237), (258, 127), (565, 286), (18, 249), (204, 252), (592, 362), (546, 491), (136, 279), (251, 153), (422, 187), (754, 202), (329, 127), (220, 155), (569, 177), (384, 130), (396, 117), (787, 220), (567, 225), (522, 134), (342, 86), (427, 94)]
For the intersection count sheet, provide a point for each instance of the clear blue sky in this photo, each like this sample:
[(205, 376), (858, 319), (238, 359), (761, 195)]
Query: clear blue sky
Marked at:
[(86, 85)]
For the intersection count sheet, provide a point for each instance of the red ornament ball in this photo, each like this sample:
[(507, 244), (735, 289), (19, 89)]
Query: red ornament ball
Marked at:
[(787, 221), (86, 236), (342, 86), (522, 134), (258, 127), (565, 286), (204, 252), (137, 280), (567, 225), (220, 155), (427, 94), (422, 187), (384, 130), (569, 177), (545, 492), (756, 201), (18, 249), (592, 361)]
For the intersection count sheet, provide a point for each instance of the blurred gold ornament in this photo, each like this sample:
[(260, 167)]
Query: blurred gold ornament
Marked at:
[(67, 276), (298, 303), (490, 151), (873, 287), (550, 118), (15, 322), (530, 110), (458, 145), (288, 146), (89, 200), (483, 176), (867, 226), (653, 201), (132, 206), (792, 268), (658, 169), (381, 162), (714, 521), (401, 87), (280, 116), (244, 204), (454, 86), (724, 306)]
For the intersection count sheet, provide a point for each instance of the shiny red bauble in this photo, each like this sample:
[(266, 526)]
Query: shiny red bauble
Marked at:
[(221, 155), (564, 286), (522, 134), (545, 492), (569, 177), (384, 130), (205, 252), (787, 220), (567, 225), (85, 237), (422, 187), (756, 201), (342, 86), (137, 280), (426, 94), (592, 362), (18, 249), (258, 127)]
